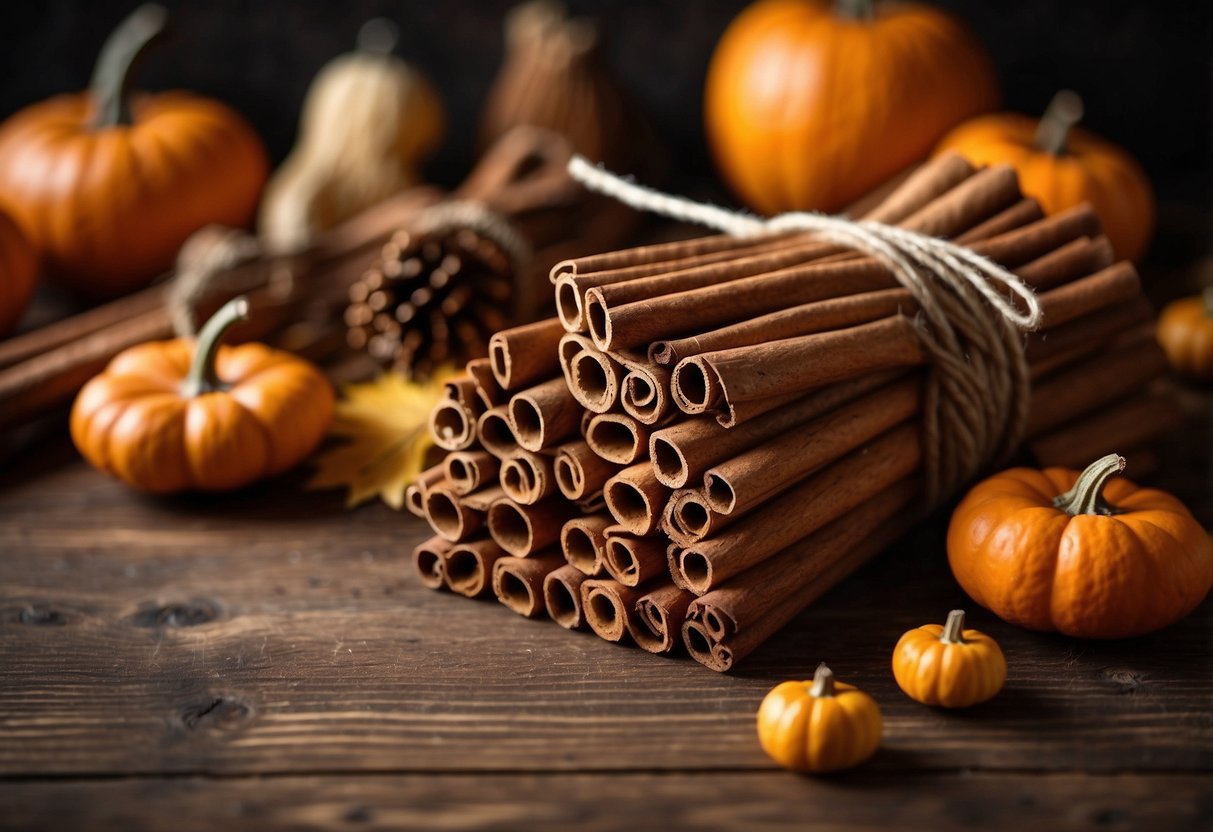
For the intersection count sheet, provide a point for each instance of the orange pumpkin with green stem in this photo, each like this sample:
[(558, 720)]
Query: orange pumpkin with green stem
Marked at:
[(819, 726), (810, 104), (176, 415), (949, 665), (107, 186), (1062, 165), (1083, 554), (1185, 331)]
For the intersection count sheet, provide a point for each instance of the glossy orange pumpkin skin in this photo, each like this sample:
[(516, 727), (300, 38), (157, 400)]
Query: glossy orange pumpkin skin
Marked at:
[(1091, 169), (1090, 576), (806, 109), (951, 675), (808, 733), (109, 208), (1185, 332), (18, 273), (133, 422)]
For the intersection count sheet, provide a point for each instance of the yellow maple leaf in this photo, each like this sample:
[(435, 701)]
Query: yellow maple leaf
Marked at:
[(386, 425)]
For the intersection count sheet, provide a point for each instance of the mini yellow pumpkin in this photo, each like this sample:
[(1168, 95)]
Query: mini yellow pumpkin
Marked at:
[(819, 726), (949, 665)]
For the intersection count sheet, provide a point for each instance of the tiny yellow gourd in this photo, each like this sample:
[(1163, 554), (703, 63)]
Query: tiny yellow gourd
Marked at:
[(949, 666), (819, 726), (369, 121)]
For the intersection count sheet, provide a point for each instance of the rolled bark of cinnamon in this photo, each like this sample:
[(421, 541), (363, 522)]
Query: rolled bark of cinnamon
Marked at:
[(468, 471), (427, 561), (682, 452), (453, 424), (414, 494), (656, 625), (562, 596), (617, 438), (1087, 331), (583, 541), (518, 582), (633, 560), (468, 567), (454, 517), (525, 354), (1018, 214), (528, 477), (544, 415), (644, 391), (524, 530), (635, 498), (1126, 424), (487, 389), (610, 607), (748, 480), (826, 496), (496, 432), (727, 623), (592, 376), (580, 472)]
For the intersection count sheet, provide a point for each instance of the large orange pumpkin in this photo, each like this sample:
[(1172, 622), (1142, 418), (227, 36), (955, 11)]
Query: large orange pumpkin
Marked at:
[(18, 272), (1062, 165), (1056, 550), (108, 186), (811, 104), (175, 415)]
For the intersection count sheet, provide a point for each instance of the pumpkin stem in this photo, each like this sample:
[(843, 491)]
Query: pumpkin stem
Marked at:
[(202, 377), (119, 56), (378, 36), (1208, 296), (954, 628), (857, 10), (823, 682), (1063, 112), (1086, 497)]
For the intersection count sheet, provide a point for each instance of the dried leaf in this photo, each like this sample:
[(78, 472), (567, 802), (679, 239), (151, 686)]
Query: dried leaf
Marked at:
[(386, 423)]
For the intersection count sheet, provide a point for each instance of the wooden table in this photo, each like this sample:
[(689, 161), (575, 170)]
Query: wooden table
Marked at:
[(267, 658)]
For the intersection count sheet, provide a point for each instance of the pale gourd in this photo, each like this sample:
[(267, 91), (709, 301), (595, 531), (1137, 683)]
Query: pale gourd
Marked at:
[(368, 122)]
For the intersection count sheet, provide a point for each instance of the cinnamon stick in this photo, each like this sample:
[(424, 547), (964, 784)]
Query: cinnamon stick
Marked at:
[(633, 560), (644, 392), (469, 567), (427, 561), (518, 582), (525, 354), (581, 472), (610, 607), (496, 432), (455, 517), (1129, 423), (635, 498), (487, 389), (616, 438), (467, 471), (656, 625), (562, 596), (453, 423), (592, 376), (528, 477), (583, 541), (524, 530), (414, 494), (544, 415)]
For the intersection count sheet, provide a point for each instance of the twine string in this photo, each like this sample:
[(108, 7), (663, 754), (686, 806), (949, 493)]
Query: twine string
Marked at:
[(971, 317)]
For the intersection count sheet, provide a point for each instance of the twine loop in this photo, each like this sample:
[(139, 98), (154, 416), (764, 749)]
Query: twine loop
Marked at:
[(971, 316)]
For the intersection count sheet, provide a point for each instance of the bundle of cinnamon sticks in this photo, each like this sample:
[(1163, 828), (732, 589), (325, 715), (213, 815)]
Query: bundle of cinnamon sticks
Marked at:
[(713, 433)]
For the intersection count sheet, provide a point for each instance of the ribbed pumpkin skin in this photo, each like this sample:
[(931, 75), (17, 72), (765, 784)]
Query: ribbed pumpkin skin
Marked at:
[(133, 422), (18, 273), (109, 208), (1089, 576), (806, 110), (818, 734), (1091, 169), (1185, 331), (933, 672)]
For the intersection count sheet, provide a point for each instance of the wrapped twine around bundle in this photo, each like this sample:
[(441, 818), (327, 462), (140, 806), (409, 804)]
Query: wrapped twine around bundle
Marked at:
[(978, 389)]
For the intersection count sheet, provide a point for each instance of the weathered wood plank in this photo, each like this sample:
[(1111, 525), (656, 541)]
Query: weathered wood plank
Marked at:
[(269, 631), (756, 802)]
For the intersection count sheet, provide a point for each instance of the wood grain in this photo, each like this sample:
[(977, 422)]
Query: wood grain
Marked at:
[(859, 802)]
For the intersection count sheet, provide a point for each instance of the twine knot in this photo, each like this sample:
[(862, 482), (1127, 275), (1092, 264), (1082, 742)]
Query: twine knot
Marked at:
[(971, 316)]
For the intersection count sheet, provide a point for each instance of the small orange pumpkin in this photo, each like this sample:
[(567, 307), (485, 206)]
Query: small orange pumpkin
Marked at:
[(1059, 550), (949, 665), (819, 726), (18, 273), (1185, 331), (107, 189), (809, 104), (1061, 166), (175, 415)]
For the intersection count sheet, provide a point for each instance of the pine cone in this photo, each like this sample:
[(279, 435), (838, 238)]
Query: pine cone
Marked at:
[(430, 299)]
